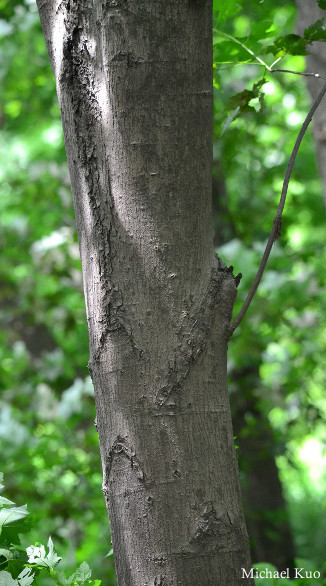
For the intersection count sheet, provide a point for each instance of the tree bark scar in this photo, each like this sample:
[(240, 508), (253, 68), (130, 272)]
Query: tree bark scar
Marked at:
[(120, 448), (215, 532), (113, 6), (194, 343), (160, 581)]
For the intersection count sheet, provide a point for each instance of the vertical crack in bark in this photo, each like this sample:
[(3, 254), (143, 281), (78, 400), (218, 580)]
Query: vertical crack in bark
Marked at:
[(78, 76), (193, 337)]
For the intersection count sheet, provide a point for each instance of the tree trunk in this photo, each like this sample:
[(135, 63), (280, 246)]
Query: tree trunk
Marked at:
[(265, 509), (308, 13), (134, 81)]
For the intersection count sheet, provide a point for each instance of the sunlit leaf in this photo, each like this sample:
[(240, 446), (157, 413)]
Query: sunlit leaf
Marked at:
[(37, 555), (83, 572), (6, 579), (13, 514), (66, 581), (26, 577), (4, 501)]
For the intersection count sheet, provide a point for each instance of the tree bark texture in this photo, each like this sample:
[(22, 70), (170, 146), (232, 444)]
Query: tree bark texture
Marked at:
[(134, 81), (308, 13)]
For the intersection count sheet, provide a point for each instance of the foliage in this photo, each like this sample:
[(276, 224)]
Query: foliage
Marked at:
[(25, 565)]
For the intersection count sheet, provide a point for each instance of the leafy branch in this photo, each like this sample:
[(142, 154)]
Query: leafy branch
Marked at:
[(289, 47), (276, 229), (240, 103)]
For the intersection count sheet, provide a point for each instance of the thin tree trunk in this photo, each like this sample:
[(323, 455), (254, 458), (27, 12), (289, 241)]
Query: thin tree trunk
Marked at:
[(135, 92), (265, 509), (308, 13)]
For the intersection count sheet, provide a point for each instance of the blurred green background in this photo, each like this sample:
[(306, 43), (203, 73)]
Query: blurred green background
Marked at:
[(48, 443)]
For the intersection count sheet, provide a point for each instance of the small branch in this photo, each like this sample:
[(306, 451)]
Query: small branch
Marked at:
[(276, 61), (316, 75), (276, 229), (268, 67)]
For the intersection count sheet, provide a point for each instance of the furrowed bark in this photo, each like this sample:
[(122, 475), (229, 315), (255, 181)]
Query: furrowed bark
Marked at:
[(135, 92)]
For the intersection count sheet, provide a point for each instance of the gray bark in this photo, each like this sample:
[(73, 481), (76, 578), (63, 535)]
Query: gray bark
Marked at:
[(135, 91), (308, 13)]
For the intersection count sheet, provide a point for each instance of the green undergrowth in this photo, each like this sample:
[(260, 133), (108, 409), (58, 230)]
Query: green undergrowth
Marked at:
[(20, 566)]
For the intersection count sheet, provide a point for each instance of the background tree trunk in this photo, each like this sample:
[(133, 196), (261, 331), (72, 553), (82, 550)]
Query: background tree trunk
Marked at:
[(264, 505), (308, 13), (135, 92)]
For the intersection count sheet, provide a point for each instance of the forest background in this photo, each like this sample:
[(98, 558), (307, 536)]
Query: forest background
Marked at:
[(48, 443)]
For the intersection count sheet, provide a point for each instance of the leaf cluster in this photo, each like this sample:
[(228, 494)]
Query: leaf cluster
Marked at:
[(297, 45), (22, 567)]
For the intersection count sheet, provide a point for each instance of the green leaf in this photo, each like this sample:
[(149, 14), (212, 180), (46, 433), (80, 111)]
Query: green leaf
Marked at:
[(241, 100), (296, 45), (4, 501), (227, 51), (315, 32), (83, 573), (261, 30), (11, 515), (226, 8), (10, 533), (6, 553), (322, 4), (6, 579), (240, 103), (291, 44), (63, 580), (26, 577)]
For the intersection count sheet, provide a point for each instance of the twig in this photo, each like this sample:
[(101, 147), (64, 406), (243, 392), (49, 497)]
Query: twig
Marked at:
[(317, 75), (268, 67), (276, 229)]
